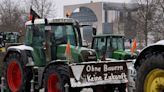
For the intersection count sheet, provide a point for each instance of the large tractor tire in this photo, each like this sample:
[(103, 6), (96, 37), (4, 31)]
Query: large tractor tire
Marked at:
[(17, 75), (150, 76), (55, 78)]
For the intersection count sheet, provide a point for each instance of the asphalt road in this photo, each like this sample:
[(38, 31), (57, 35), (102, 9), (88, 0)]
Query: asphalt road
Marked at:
[(84, 90)]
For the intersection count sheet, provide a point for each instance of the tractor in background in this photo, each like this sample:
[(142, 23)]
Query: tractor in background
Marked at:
[(150, 69), (7, 38), (111, 46), (53, 57)]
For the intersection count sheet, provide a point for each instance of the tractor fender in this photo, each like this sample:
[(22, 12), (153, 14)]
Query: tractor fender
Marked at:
[(20, 47), (22, 50), (56, 62), (147, 51)]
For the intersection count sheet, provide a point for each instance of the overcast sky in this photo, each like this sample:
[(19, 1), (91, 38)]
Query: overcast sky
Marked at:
[(60, 3)]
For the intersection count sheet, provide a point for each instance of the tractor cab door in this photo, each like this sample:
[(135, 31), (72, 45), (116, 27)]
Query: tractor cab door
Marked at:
[(35, 38), (110, 49), (99, 45), (117, 44)]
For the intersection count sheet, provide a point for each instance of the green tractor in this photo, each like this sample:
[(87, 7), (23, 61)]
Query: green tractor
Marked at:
[(111, 46), (44, 60), (7, 38)]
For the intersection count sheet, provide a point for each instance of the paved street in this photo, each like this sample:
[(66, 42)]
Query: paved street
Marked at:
[(84, 90)]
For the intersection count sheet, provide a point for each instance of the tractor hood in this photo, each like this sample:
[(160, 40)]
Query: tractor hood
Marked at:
[(123, 55), (78, 54)]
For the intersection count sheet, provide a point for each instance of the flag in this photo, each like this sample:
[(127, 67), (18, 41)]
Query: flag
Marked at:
[(134, 46), (68, 51), (33, 15)]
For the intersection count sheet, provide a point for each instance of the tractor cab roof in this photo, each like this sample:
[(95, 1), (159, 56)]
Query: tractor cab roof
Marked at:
[(51, 20), (108, 35)]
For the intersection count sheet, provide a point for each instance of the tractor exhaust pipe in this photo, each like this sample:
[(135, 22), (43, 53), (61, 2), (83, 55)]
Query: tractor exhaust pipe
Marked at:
[(3, 84), (32, 86), (66, 87)]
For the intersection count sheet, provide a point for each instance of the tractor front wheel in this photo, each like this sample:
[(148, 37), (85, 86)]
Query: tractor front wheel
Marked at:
[(150, 76), (17, 75), (55, 78)]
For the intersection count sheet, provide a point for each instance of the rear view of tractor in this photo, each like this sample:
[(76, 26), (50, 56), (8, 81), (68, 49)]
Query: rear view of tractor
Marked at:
[(150, 68), (111, 46)]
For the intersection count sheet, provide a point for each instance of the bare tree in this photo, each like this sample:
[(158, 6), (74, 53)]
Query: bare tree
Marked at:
[(149, 19), (45, 8), (10, 16), (143, 16), (159, 19)]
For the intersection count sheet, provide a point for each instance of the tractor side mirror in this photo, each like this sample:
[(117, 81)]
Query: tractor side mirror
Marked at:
[(94, 31), (85, 43)]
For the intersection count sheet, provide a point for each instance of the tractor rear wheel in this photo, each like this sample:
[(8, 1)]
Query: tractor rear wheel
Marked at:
[(55, 78), (150, 76), (17, 75)]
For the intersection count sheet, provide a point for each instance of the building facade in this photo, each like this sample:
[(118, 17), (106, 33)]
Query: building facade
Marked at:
[(106, 17)]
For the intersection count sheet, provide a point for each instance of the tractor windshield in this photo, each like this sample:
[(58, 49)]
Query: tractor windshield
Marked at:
[(63, 34), (117, 43), (107, 45)]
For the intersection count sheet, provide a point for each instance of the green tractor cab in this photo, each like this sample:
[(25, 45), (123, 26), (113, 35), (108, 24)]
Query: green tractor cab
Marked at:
[(111, 46), (53, 38)]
